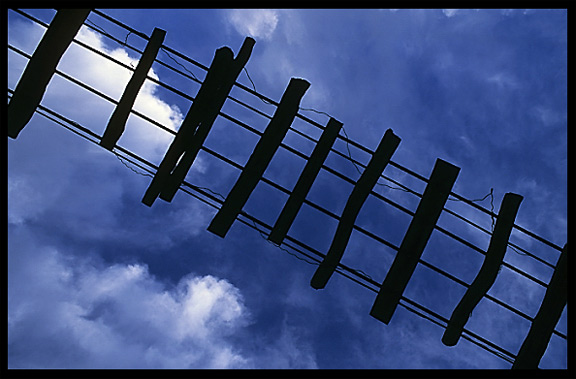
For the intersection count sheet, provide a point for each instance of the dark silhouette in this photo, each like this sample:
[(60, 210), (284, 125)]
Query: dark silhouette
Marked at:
[(536, 342), (305, 181), (42, 66), (221, 76), (488, 272), (367, 181), (435, 196), (195, 128), (260, 157), (117, 122)]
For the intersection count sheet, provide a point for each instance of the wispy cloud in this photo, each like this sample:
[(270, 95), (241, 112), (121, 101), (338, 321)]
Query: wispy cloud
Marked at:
[(257, 23)]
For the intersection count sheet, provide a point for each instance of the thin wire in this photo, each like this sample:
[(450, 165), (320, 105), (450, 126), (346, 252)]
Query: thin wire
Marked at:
[(180, 64), (265, 237), (120, 24), (315, 111), (126, 38), (349, 152), (254, 86), (491, 195), (311, 262), (94, 25), (129, 167)]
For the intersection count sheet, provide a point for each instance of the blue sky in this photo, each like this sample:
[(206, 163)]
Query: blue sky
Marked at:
[(96, 279)]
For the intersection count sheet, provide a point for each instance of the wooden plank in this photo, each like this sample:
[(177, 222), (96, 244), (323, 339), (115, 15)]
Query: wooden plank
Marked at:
[(555, 299), (220, 66), (367, 181), (488, 272), (206, 117), (42, 66), (117, 122), (260, 157), (435, 195), (305, 181)]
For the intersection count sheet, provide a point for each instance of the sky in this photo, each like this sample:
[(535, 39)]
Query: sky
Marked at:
[(96, 279)]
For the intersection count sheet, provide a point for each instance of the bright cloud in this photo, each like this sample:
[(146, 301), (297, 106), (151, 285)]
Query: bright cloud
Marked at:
[(111, 79), (66, 311), (258, 23), (71, 312), (24, 200), (106, 77), (449, 12)]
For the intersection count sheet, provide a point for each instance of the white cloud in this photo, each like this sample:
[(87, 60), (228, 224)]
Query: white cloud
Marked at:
[(24, 201), (107, 77), (257, 23), (117, 316), (65, 311), (503, 80), (449, 12), (111, 79), (291, 350), (548, 116)]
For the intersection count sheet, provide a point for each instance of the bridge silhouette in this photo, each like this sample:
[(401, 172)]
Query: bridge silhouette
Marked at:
[(207, 105)]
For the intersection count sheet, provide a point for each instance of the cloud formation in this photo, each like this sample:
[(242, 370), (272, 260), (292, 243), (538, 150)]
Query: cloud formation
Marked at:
[(73, 312), (257, 23)]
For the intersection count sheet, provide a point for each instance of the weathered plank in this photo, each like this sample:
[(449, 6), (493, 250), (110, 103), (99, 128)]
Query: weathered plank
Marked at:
[(305, 181), (206, 117), (42, 66), (260, 157), (117, 123), (555, 299), (429, 209), (488, 272), (198, 121), (221, 60), (358, 196)]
